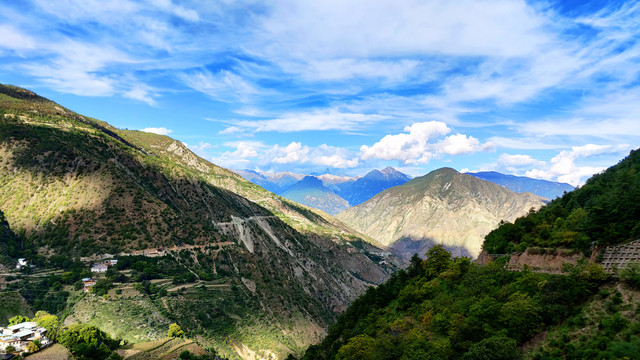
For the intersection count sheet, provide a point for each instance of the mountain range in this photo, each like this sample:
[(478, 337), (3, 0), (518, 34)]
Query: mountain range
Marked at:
[(544, 188), (333, 193), (442, 207), (311, 191), (72, 186), (337, 186), (364, 188)]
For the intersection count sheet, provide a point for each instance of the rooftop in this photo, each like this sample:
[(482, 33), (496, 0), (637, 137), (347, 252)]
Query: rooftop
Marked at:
[(24, 325)]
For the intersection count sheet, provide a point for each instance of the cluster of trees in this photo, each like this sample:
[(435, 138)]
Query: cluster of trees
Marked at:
[(85, 342), (145, 268), (604, 211), (9, 242), (88, 342), (449, 308)]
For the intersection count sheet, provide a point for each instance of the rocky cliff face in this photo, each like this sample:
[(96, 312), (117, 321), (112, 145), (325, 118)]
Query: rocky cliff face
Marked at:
[(442, 207)]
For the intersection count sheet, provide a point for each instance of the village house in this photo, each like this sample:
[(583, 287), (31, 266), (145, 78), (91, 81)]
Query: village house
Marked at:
[(154, 252), (99, 268), (88, 282), (22, 262), (20, 335), (103, 266)]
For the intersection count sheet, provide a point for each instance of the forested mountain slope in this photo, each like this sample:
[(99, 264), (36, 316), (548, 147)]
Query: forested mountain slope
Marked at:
[(75, 186), (449, 308), (604, 211)]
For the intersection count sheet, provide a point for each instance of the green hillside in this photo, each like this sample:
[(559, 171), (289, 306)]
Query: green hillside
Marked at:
[(9, 243), (273, 273), (604, 211), (449, 308)]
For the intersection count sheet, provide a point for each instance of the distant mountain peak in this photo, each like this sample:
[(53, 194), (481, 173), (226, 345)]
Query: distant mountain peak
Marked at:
[(311, 180), (443, 206), (329, 171)]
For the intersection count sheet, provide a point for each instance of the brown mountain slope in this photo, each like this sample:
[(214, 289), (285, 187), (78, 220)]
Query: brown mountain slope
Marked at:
[(442, 207)]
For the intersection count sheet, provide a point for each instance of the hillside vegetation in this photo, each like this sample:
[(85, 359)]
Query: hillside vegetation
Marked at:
[(449, 308), (72, 186), (604, 211)]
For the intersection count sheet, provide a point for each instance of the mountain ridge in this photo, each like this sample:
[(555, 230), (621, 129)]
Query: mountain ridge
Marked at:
[(544, 188), (427, 208)]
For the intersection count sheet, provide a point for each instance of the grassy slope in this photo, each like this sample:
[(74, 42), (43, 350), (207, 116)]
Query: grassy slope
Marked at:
[(13, 304)]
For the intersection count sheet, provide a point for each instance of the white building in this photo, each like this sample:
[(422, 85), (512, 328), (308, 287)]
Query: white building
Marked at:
[(99, 268), (20, 335), (22, 262)]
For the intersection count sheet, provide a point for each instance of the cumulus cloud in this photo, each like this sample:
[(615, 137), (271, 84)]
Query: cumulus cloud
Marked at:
[(408, 147), (157, 130), (323, 155), (295, 153), (415, 145), (563, 167), (461, 144)]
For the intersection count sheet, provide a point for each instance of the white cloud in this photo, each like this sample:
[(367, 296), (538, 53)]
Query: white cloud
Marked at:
[(461, 144), (518, 161), (564, 168), (409, 148), (14, 39), (330, 119), (223, 86), (369, 28), (294, 152), (141, 94), (517, 164), (157, 130), (230, 130), (349, 68), (332, 156), (525, 143), (416, 145), (180, 11)]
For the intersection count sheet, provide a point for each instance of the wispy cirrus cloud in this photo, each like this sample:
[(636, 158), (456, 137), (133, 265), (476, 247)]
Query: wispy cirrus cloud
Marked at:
[(522, 75), (329, 119)]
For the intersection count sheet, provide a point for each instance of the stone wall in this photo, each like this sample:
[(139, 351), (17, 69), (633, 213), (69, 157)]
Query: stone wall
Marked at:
[(618, 256)]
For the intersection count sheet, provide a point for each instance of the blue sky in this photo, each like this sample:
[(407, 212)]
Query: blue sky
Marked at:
[(545, 89)]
